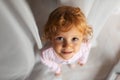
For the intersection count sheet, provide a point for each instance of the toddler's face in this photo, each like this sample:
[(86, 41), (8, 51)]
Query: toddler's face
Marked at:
[(67, 44)]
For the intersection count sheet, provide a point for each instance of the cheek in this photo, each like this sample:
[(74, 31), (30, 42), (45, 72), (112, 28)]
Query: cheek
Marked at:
[(57, 46), (77, 46)]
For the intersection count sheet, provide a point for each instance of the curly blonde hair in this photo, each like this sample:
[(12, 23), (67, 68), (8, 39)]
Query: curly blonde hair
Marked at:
[(63, 19)]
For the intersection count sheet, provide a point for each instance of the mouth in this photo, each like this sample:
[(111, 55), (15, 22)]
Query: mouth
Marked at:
[(66, 52)]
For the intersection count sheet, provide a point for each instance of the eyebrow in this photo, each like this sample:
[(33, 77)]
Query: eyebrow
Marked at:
[(77, 35)]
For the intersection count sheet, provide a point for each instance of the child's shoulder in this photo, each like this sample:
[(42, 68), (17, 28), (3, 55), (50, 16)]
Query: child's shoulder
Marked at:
[(47, 48), (46, 52), (86, 45)]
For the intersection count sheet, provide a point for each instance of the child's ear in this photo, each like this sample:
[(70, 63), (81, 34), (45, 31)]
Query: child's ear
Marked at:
[(51, 41), (85, 40)]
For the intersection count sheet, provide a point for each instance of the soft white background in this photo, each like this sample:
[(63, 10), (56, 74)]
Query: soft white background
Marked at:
[(19, 39)]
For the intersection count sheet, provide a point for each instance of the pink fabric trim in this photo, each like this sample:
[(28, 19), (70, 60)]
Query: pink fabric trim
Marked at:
[(50, 59)]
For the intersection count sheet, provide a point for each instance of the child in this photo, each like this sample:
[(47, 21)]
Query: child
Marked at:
[(66, 34)]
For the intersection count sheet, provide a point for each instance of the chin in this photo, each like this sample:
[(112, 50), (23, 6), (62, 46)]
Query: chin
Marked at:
[(66, 58)]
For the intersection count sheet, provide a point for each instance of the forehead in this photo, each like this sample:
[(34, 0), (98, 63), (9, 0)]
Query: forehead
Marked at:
[(71, 32)]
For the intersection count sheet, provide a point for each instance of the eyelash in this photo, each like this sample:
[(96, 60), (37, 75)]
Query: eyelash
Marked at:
[(62, 39), (75, 39), (59, 38)]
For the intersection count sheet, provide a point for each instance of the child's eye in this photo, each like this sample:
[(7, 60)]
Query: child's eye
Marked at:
[(75, 39), (59, 38)]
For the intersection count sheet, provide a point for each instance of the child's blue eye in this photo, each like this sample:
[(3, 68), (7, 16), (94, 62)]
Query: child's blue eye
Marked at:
[(75, 39), (59, 38)]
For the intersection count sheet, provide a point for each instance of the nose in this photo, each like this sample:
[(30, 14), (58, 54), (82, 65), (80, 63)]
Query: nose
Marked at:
[(67, 44)]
